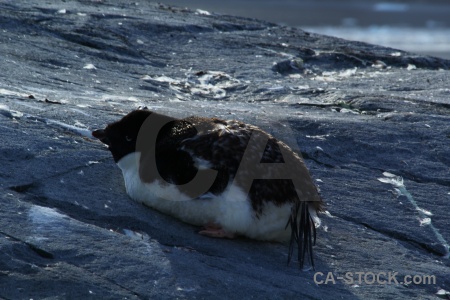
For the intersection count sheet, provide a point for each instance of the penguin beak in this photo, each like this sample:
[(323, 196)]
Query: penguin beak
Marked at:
[(101, 135)]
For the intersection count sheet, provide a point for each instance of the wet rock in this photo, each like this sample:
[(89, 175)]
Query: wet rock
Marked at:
[(289, 66), (356, 112)]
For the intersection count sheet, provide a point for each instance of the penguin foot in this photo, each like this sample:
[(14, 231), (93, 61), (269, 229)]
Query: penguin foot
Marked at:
[(216, 231)]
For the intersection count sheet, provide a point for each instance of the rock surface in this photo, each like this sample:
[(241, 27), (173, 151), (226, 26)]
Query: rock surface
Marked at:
[(356, 111)]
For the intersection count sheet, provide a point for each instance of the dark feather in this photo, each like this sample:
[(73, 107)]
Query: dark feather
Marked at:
[(302, 233)]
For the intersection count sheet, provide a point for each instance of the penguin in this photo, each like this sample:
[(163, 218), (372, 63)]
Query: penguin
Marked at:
[(229, 177)]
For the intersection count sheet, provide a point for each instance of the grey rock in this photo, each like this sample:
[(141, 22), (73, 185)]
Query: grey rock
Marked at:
[(69, 231)]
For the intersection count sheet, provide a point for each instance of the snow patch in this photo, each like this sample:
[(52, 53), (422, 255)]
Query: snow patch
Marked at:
[(89, 67)]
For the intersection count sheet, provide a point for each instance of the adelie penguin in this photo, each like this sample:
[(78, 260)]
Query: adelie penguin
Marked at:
[(229, 177)]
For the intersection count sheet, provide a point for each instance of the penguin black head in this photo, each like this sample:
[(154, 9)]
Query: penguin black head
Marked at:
[(121, 136)]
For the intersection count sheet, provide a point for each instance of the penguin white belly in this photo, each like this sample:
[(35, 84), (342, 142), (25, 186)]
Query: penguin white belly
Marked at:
[(231, 209), (165, 197)]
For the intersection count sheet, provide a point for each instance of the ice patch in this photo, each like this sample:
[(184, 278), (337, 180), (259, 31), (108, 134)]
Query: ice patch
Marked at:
[(425, 221), (133, 99), (202, 12), (12, 93), (347, 73), (276, 88), (332, 76), (41, 215), (46, 224), (89, 67), (275, 52), (424, 215), (160, 79), (83, 105), (443, 293), (136, 235), (80, 111), (4, 110), (72, 128), (328, 214), (318, 137), (390, 178), (424, 211), (378, 64), (205, 83), (299, 87), (79, 124)]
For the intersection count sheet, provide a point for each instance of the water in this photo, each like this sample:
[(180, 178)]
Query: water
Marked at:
[(434, 42), (416, 26)]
